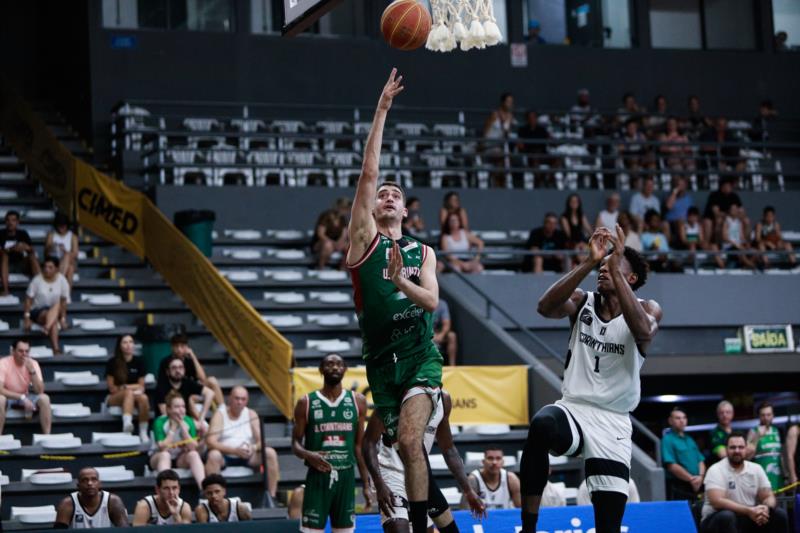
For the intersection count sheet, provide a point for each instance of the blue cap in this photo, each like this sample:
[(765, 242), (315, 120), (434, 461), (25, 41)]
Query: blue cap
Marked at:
[(533, 24)]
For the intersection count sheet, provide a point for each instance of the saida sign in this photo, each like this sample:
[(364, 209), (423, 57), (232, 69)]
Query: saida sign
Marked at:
[(768, 339)]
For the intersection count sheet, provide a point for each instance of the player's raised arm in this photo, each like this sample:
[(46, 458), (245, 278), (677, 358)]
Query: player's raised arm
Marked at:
[(563, 297), (362, 227)]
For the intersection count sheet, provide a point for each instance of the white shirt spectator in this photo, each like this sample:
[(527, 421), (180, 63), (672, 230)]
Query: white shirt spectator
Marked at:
[(741, 487), (554, 495), (584, 498), (46, 294), (641, 204), (632, 240), (608, 219)]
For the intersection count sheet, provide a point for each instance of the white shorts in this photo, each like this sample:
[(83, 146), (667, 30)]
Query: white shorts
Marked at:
[(397, 484), (603, 438)]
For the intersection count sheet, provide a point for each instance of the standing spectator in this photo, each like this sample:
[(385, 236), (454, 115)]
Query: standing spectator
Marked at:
[(717, 206), (497, 131), (534, 32), (738, 496), (769, 237), (734, 236), (546, 238), (531, 145), (679, 155), (575, 225), (46, 302), (19, 374), (692, 236), (125, 378), (189, 389), (644, 201), (717, 146), (764, 445), (678, 203), (719, 435), (413, 224), (636, 154), (443, 335), (175, 436), (496, 486), (234, 439), (793, 454), (656, 120), (165, 507), (62, 243), (16, 250), (696, 122), (216, 506), (682, 459), (330, 232), (90, 507), (607, 218), (193, 369), (457, 240), (553, 495), (632, 238), (452, 204)]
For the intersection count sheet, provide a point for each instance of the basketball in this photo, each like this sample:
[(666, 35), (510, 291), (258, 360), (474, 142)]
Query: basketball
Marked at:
[(405, 24)]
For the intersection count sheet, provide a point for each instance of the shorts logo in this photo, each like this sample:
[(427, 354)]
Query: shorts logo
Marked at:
[(586, 317)]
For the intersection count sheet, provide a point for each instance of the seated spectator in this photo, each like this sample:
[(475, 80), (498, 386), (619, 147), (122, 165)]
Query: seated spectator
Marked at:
[(678, 153), (607, 218), (443, 335), (677, 205), (717, 147), (584, 115), (792, 455), (19, 373), (546, 238), (16, 251), (234, 439), (575, 225), (632, 238), (330, 233), (553, 495), (506, 491), (654, 240), (644, 201), (584, 498), (498, 129), (719, 435), (46, 302), (165, 507), (781, 38), (734, 236), (90, 507), (175, 436), (654, 123), (193, 369), (189, 389), (456, 240), (452, 204), (413, 224), (531, 145), (682, 460), (630, 110), (216, 506), (761, 124), (62, 244), (692, 236), (635, 153), (764, 445), (738, 496), (696, 122), (125, 378), (717, 206), (769, 237)]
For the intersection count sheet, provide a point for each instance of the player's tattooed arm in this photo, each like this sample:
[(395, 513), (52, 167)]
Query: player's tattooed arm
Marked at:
[(117, 511), (369, 453)]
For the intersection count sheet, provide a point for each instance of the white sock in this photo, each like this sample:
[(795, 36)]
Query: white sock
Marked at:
[(143, 428), (127, 420)]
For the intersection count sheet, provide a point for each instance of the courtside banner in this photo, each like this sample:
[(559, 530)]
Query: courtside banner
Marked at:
[(128, 218), (481, 394)]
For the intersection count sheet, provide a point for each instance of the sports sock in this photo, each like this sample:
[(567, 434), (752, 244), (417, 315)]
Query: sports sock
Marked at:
[(449, 528), (529, 522), (419, 515)]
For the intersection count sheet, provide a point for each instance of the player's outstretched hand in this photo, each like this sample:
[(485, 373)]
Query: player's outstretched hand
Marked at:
[(476, 505), (597, 244), (392, 88), (385, 499)]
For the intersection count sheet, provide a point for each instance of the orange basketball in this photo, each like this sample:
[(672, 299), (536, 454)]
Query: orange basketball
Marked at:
[(405, 24)]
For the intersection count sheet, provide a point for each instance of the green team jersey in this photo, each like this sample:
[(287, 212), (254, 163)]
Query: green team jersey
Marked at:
[(718, 438), (768, 455), (331, 428), (392, 326)]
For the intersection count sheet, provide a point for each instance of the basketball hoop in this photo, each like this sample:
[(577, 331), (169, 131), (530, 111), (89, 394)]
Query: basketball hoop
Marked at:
[(450, 20)]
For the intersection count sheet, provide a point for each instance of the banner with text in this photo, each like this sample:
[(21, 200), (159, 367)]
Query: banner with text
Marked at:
[(126, 217), (481, 394)]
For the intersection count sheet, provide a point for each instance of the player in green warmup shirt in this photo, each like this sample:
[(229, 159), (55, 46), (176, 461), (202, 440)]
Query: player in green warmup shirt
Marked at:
[(764, 446), (328, 428), (395, 293)]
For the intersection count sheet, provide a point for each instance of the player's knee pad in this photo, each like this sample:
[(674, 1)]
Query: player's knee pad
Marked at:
[(437, 503)]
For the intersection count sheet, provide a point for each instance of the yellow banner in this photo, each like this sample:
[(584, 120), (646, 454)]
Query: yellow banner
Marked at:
[(481, 394), (126, 217)]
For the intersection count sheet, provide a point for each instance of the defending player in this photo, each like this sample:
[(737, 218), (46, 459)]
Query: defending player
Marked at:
[(611, 330), (328, 428), (388, 475), (395, 293)]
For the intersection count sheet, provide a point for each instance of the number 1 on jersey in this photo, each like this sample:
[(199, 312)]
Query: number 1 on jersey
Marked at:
[(597, 363)]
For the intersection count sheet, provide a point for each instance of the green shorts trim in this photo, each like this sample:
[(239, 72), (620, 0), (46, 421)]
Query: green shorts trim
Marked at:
[(329, 495)]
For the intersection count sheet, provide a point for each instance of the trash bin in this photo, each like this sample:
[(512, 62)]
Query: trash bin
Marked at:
[(197, 225), (156, 344)]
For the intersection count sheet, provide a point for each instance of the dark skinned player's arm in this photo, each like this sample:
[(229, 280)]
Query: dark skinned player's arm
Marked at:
[(361, 403), (444, 438), (369, 448), (299, 431)]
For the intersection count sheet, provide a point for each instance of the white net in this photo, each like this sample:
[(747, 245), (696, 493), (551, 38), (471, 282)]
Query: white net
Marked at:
[(466, 24)]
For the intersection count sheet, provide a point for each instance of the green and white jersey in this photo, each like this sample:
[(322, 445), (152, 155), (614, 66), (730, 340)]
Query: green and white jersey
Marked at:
[(392, 326), (331, 428), (768, 455)]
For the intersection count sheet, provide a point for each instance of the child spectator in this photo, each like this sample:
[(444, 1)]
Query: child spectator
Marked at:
[(769, 238), (692, 236), (654, 240), (175, 437), (734, 233)]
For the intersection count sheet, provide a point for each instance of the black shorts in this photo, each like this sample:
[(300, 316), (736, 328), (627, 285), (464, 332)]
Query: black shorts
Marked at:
[(36, 312)]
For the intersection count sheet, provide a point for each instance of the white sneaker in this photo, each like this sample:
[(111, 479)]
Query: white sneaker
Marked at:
[(127, 428), (144, 437)]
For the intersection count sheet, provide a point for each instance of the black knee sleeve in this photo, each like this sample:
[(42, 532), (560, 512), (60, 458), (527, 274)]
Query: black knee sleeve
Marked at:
[(608, 510), (437, 503), (549, 431)]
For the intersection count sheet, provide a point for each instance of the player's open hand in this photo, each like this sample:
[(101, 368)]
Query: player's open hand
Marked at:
[(476, 505), (385, 499), (597, 244), (618, 248), (316, 462), (395, 263), (392, 88)]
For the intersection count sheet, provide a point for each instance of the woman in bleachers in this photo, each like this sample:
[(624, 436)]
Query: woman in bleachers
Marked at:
[(456, 239), (176, 442), (62, 243), (678, 154), (452, 204), (575, 224), (125, 378), (413, 224), (46, 302), (330, 232), (632, 238)]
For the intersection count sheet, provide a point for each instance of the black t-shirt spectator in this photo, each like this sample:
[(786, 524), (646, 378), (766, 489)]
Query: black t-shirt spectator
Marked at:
[(188, 388), (8, 241), (538, 133), (538, 239), (188, 365), (710, 136), (721, 200), (135, 370)]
